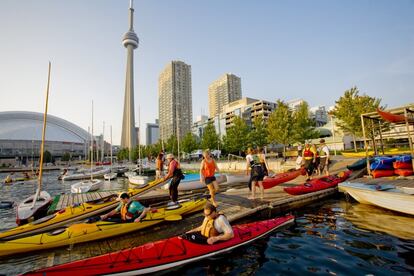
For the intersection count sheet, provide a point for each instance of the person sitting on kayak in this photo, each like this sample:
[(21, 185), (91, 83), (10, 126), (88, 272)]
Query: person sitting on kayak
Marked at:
[(176, 174), (208, 168), (127, 211), (215, 227)]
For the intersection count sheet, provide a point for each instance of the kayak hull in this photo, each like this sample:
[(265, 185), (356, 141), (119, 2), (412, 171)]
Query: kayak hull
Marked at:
[(85, 232), (164, 254), (318, 184), (270, 182)]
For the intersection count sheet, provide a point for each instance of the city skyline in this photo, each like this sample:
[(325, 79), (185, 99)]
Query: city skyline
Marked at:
[(313, 51)]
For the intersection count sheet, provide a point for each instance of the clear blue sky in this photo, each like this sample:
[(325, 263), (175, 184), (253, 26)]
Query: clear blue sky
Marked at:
[(313, 50)]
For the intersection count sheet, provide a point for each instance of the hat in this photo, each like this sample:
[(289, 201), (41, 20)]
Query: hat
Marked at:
[(322, 141), (170, 155)]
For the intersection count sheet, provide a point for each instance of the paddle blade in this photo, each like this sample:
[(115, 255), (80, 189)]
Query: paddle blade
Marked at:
[(173, 218)]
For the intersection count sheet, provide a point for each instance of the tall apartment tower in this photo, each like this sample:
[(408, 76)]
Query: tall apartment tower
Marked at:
[(225, 90), (175, 100)]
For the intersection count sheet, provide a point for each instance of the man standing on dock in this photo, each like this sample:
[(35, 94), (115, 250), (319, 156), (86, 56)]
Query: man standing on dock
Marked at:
[(324, 157), (174, 172)]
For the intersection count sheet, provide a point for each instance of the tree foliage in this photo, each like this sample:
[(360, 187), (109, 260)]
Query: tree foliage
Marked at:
[(237, 136), (189, 143), (258, 136), (280, 123), (210, 138), (303, 127), (66, 156), (172, 145), (47, 157), (348, 110)]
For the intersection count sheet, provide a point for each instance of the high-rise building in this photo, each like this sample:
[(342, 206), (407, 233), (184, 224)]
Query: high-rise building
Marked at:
[(153, 133), (130, 42), (175, 102), (223, 91)]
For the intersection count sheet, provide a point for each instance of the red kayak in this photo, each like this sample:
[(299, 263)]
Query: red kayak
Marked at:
[(270, 182), (318, 184), (402, 165), (404, 172), (164, 254), (382, 173)]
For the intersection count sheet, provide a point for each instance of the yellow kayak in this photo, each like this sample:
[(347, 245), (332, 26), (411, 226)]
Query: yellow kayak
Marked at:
[(84, 232), (371, 153), (70, 214)]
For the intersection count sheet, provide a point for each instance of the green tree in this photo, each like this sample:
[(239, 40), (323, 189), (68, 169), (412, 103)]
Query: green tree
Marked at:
[(303, 125), (280, 124), (189, 143), (123, 154), (172, 145), (47, 157), (237, 136), (66, 156), (210, 139), (259, 133), (348, 110)]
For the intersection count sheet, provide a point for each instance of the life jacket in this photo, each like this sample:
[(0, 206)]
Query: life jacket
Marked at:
[(125, 214), (322, 153), (255, 161), (159, 164), (209, 168), (207, 228), (308, 153)]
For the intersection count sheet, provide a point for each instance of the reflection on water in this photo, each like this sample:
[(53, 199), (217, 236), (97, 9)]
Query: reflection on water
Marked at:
[(378, 219), (334, 238)]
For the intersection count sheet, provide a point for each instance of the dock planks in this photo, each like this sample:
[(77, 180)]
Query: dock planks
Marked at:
[(73, 199)]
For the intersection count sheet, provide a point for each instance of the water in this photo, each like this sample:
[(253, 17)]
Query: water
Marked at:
[(332, 238)]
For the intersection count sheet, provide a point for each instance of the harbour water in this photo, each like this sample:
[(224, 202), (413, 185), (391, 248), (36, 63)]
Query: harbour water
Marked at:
[(334, 237)]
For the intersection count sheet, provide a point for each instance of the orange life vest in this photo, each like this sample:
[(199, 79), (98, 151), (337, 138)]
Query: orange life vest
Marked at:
[(208, 230), (125, 215), (209, 168)]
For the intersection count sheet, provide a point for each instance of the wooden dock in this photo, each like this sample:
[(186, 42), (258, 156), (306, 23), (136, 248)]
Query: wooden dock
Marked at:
[(65, 200)]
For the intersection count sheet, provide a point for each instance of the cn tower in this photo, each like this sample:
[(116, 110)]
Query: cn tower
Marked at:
[(130, 42)]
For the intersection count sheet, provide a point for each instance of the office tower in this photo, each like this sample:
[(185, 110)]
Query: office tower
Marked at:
[(223, 91)]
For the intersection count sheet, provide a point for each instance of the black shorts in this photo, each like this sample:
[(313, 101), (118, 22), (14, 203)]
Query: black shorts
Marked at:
[(210, 179), (257, 173)]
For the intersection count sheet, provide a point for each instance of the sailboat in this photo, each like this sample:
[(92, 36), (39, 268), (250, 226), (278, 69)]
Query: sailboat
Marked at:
[(90, 184), (111, 175), (35, 205), (139, 179)]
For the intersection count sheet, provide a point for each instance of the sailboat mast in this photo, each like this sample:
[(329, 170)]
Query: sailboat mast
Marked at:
[(103, 143), (42, 146), (111, 146), (92, 142)]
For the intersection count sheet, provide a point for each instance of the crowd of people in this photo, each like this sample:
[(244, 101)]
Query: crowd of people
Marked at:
[(215, 226)]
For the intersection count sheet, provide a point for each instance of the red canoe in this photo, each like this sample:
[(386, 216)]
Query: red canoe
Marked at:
[(393, 118), (164, 254), (270, 182), (318, 184)]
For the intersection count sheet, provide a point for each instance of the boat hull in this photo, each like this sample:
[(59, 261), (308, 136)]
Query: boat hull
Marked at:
[(318, 184), (396, 201), (165, 254), (86, 186), (25, 212)]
